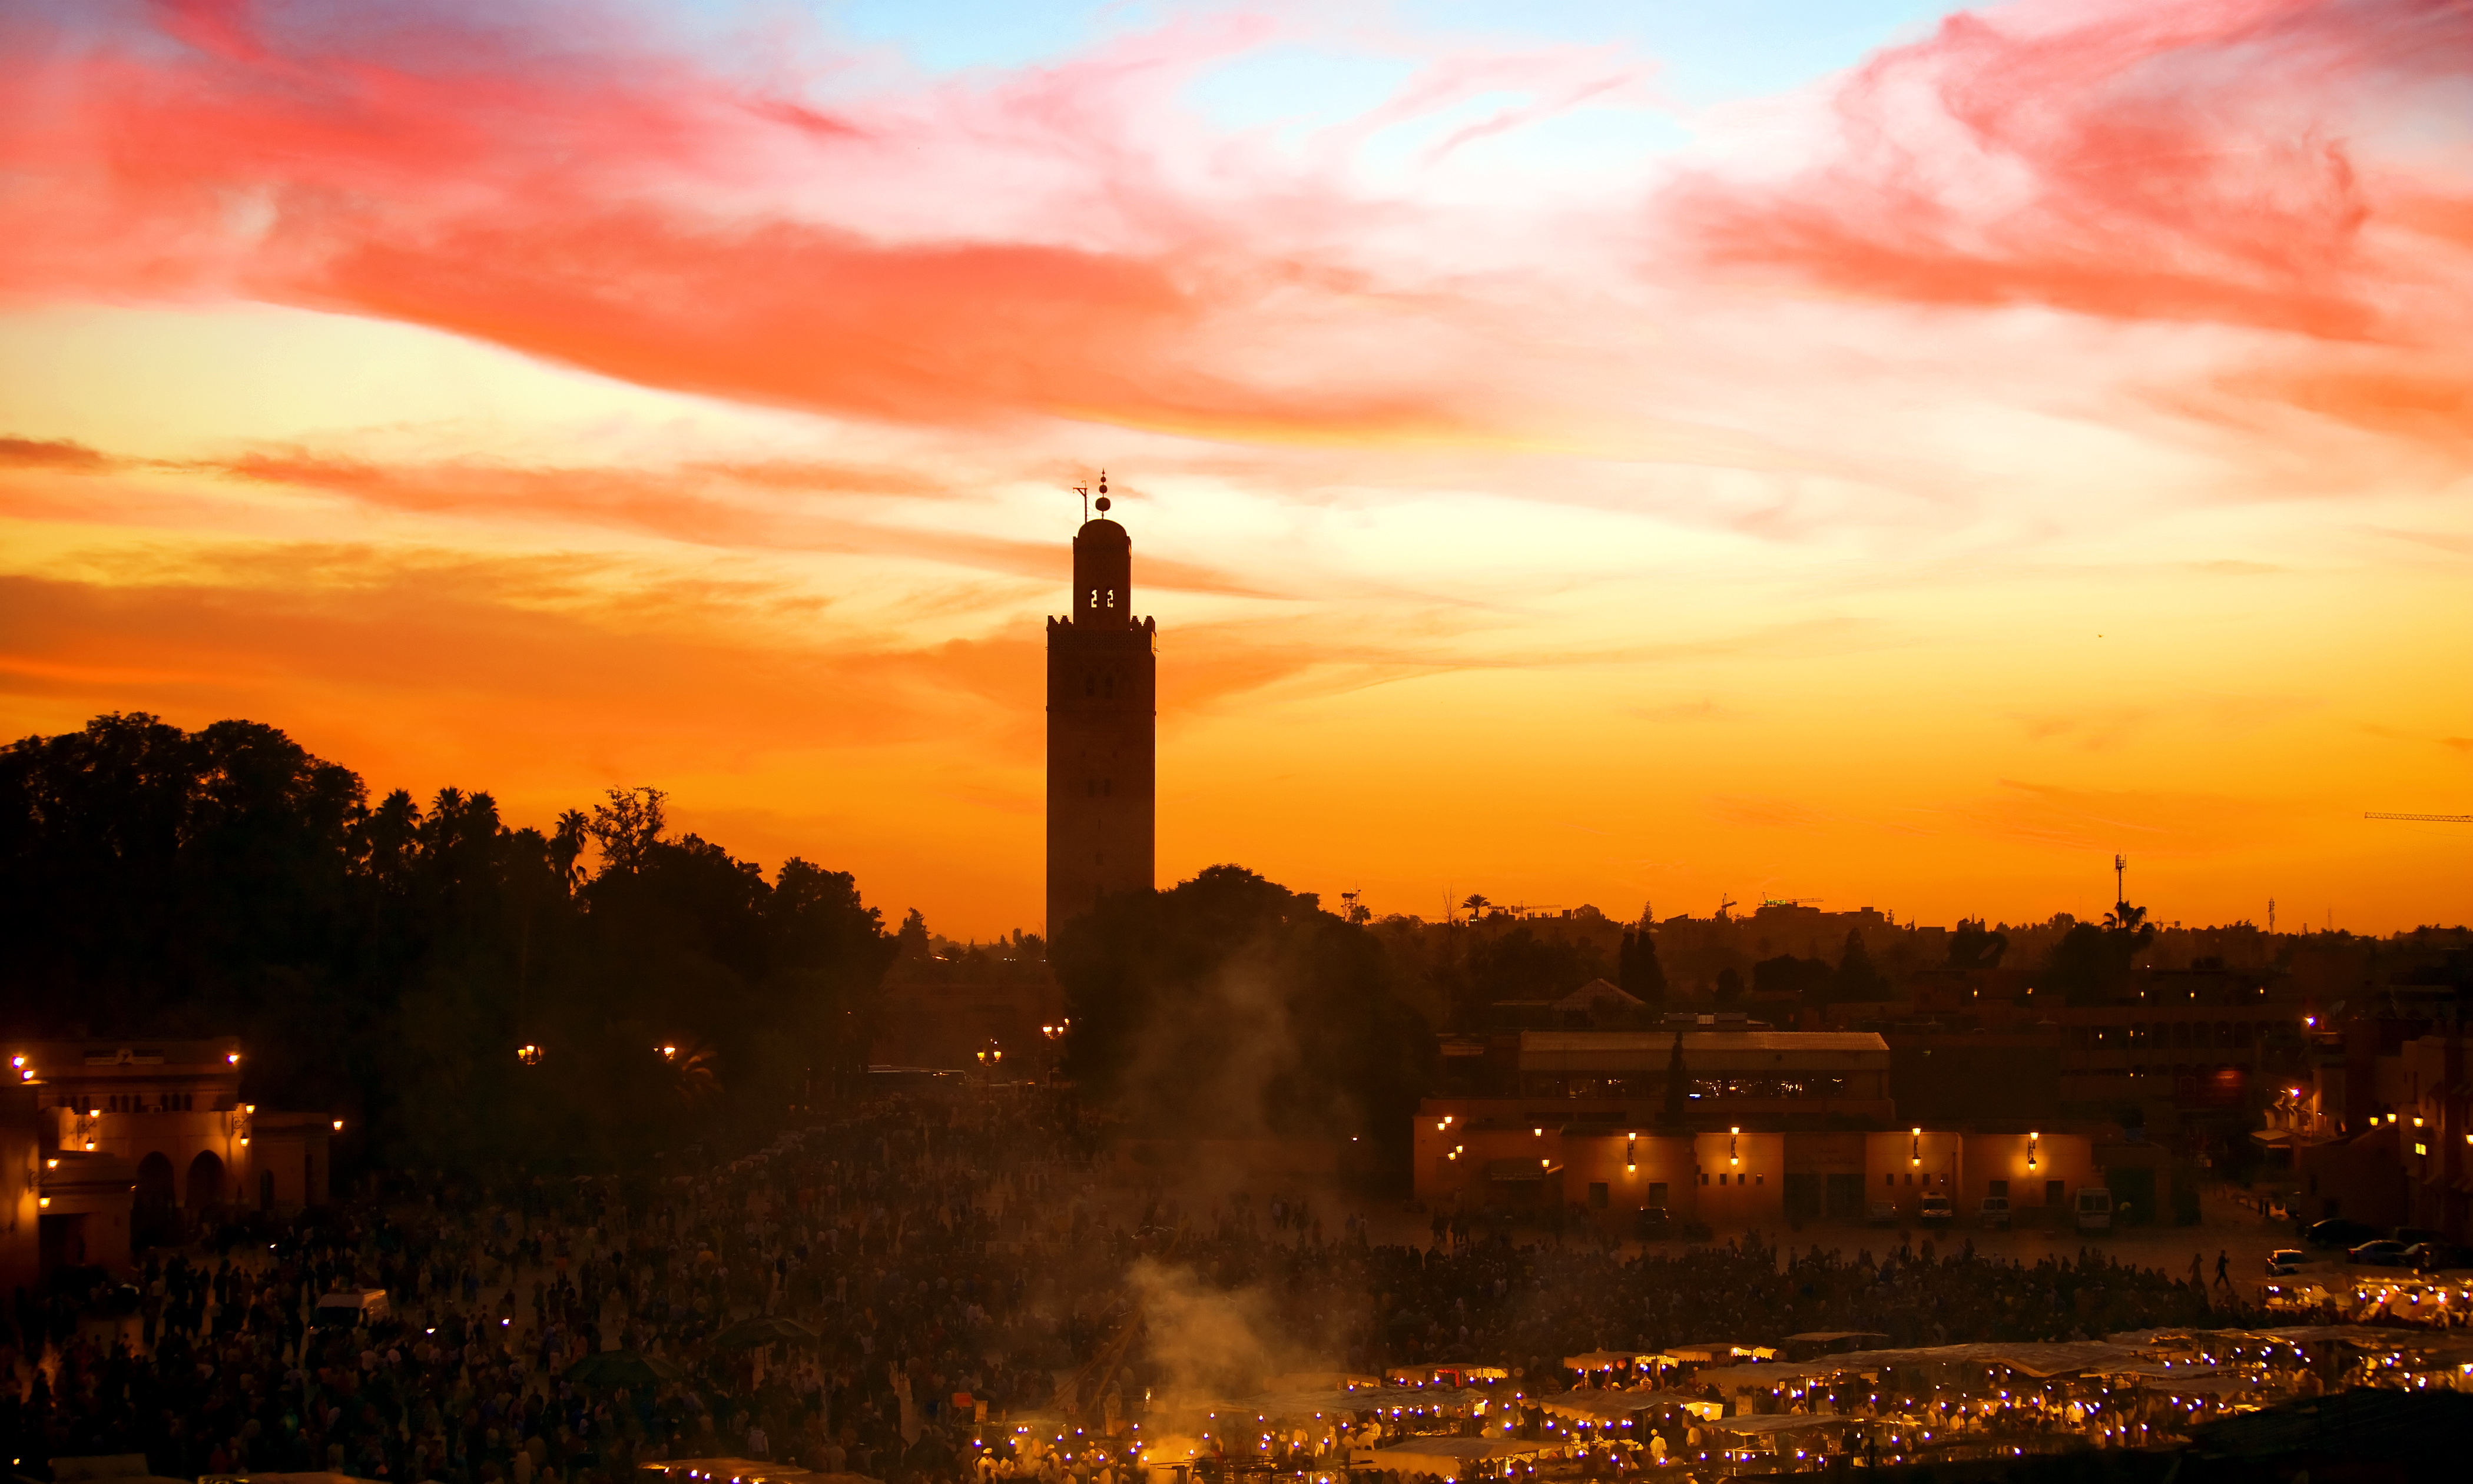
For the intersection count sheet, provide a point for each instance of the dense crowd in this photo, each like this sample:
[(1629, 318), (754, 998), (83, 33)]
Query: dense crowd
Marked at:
[(951, 1263)]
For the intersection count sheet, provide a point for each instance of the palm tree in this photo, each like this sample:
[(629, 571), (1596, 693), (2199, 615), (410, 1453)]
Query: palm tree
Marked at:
[(566, 846), (1475, 905), (693, 1072)]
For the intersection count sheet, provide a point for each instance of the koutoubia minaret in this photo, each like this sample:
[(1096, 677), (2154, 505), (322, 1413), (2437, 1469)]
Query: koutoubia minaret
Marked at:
[(1102, 729)]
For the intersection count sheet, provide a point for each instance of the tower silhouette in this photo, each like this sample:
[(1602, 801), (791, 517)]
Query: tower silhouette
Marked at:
[(1102, 729)]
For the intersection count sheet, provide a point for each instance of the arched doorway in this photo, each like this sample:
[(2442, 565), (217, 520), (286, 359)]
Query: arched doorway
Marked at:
[(154, 1216), (206, 1182)]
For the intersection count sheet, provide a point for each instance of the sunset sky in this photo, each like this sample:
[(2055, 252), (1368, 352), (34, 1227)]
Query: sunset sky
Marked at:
[(1613, 453)]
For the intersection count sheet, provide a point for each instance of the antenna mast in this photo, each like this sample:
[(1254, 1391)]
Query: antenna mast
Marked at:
[(2121, 878)]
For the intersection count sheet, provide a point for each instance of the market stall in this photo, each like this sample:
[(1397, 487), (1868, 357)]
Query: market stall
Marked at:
[(1453, 1459)]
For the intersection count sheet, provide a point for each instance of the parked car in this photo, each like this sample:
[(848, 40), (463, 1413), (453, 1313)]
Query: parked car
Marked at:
[(352, 1307), (2284, 1261), (1935, 1210), (1995, 1213), (2093, 1208), (2409, 1235), (2432, 1257), (1884, 1214), (2336, 1232), (2384, 1252)]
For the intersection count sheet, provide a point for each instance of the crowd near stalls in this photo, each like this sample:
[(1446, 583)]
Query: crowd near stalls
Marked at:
[(2440, 1300), (931, 1290), (842, 1298)]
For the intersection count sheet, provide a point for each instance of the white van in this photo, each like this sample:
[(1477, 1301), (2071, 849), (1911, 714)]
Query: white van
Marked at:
[(352, 1306), (2093, 1208)]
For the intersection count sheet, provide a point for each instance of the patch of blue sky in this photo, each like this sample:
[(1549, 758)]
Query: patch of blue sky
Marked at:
[(1707, 51), (1298, 96), (955, 36), (1292, 90)]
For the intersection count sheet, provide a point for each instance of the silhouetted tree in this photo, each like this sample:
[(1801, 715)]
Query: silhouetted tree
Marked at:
[(1232, 1005), (1810, 981), (1729, 987), (2090, 964), (1521, 964), (1858, 978), (1678, 1085), (912, 937), (1972, 946), (386, 962), (1641, 975)]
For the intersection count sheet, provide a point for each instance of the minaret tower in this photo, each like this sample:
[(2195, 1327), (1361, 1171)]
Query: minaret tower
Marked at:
[(1102, 729)]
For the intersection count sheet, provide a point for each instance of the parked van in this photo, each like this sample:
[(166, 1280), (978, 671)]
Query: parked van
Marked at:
[(352, 1307), (1995, 1214), (1935, 1210), (2093, 1208)]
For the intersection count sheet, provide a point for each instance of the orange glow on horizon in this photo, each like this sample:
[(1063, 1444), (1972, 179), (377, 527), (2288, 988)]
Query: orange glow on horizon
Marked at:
[(2048, 439)]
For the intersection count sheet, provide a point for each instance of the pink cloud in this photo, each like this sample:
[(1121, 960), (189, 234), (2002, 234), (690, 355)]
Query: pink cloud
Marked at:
[(2199, 161), (1067, 241), (644, 215)]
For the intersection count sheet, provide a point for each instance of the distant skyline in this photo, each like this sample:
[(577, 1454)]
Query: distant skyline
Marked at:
[(1889, 454)]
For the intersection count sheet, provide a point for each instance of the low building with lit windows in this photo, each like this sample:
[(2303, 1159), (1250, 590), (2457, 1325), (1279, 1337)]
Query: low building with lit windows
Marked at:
[(1735, 1128)]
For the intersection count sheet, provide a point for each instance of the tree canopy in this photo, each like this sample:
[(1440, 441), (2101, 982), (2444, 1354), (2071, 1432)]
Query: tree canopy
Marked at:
[(1231, 1006), (386, 961), (1974, 946), (2090, 964)]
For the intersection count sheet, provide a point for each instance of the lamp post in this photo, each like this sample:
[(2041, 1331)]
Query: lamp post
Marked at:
[(990, 1055), (1055, 1037)]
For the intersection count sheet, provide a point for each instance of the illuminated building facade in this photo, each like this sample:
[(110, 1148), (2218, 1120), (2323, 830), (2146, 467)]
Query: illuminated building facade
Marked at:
[(106, 1146)]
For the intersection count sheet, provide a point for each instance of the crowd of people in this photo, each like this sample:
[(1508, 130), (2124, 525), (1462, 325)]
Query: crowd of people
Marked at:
[(940, 1265)]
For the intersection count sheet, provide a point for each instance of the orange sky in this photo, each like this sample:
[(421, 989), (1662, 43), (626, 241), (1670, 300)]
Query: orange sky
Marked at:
[(1555, 475)]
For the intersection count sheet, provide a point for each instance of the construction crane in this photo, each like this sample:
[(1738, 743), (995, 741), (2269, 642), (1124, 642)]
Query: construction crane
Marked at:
[(2425, 819)]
